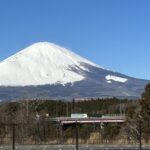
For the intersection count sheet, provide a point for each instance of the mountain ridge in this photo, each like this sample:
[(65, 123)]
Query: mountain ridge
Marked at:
[(46, 70)]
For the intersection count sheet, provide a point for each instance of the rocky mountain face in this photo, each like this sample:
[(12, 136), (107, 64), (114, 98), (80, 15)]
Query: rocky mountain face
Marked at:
[(48, 71)]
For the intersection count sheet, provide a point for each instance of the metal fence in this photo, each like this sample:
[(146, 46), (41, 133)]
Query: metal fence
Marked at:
[(49, 136)]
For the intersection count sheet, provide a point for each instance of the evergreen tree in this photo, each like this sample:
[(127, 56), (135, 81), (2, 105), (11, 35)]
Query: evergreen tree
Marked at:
[(145, 112)]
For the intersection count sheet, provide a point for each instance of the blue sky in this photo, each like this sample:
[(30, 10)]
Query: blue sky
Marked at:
[(111, 33)]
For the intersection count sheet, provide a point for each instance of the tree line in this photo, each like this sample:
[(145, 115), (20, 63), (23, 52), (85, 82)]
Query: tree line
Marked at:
[(34, 112)]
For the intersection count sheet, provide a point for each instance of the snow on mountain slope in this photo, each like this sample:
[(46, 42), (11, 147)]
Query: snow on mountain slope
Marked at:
[(42, 69), (42, 63), (115, 78)]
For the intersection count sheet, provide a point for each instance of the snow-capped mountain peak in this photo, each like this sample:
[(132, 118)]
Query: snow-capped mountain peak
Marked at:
[(42, 69), (42, 63)]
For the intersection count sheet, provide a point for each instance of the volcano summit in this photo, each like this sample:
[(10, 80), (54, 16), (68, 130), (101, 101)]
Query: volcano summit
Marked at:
[(45, 70)]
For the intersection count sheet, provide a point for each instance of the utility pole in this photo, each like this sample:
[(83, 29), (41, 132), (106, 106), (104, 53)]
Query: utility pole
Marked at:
[(56, 110), (66, 109), (77, 138), (120, 108), (140, 135), (27, 109), (13, 140)]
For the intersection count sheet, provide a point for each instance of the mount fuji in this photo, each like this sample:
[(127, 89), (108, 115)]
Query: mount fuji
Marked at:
[(48, 71)]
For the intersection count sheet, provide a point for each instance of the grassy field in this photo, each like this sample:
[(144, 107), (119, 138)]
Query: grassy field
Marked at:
[(73, 147)]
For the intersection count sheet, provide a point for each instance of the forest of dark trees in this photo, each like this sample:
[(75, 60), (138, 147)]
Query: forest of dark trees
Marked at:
[(30, 118)]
